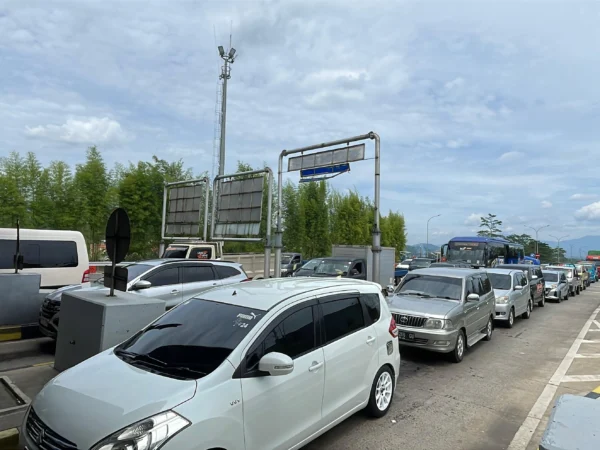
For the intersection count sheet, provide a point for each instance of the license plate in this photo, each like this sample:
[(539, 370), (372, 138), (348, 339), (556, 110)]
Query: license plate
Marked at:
[(406, 336), (43, 322)]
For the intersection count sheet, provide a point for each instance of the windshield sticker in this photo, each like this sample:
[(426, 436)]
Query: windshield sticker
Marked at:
[(241, 320)]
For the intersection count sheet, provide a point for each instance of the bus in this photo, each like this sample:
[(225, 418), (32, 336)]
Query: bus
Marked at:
[(480, 251)]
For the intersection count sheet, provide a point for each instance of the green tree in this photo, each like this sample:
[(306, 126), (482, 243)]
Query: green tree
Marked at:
[(294, 232), (393, 231), (490, 226)]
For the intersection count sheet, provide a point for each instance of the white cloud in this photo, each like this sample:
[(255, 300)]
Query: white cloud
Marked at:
[(93, 130), (546, 204), (474, 219), (589, 212), (582, 196), (511, 156)]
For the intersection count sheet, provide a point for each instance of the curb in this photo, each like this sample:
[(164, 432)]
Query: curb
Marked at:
[(9, 439), (18, 332)]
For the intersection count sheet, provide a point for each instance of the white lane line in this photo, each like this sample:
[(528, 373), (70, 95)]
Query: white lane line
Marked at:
[(588, 355), (527, 429), (589, 341), (594, 329), (580, 378), (597, 324)]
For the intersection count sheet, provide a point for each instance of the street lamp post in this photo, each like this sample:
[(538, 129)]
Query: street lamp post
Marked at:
[(225, 75), (537, 241), (558, 245), (432, 217)]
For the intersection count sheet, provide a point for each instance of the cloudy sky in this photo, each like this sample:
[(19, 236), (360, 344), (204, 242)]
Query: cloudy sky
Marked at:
[(482, 106)]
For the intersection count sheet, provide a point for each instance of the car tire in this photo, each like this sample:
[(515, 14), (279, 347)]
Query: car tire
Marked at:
[(542, 302), (578, 290), (459, 349), (489, 330), (559, 296), (527, 314), (511, 318), (573, 293), (382, 393)]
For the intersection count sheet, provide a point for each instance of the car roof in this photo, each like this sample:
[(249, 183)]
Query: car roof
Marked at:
[(266, 293), (551, 271), (160, 262), (454, 272), (503, 271), (518, 266)]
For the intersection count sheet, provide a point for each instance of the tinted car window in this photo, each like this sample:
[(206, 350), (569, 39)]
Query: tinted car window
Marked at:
[(292, 336), (39, 254), (193, 274), (487, 285), (175, 252), (431, 285), (373, 305), (164, 277), (198, 335), (342, 317), (201, 253), (226, 271), (550, 276), (135, 270), (500, 281)]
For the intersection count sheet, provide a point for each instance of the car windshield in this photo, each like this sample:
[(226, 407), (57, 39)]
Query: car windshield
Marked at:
[(549, 276), (420, 262), (406, 262), (332, 267), (428, 286), (310, 265), (175, 252), (500, 281), (286, 259), (191, 340)]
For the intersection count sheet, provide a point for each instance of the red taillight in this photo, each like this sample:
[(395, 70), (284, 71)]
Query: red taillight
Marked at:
[(86, 276), (393, 330)]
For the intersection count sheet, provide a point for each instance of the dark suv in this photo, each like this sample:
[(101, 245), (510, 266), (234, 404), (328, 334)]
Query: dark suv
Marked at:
[(535, 278)]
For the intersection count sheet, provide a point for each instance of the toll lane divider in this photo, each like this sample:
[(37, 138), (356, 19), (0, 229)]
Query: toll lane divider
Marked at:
[(17, 332)]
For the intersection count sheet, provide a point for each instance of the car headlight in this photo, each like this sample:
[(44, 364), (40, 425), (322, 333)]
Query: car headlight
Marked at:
[(438, 324), (502, 299), (147, 434), (552, 286)]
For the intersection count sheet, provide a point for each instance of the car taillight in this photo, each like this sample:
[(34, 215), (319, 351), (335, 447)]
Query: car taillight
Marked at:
[(86, 276), (393, 330)]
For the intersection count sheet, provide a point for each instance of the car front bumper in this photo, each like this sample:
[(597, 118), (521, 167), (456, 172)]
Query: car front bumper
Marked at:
[(552, 294), (442, 341), (502, 311)]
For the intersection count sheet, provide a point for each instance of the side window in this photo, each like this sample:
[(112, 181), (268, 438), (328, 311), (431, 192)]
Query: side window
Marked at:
[(192, 274), (226, 271), (373, 305), (359, 268), (293, 336), (164, 277), (487, 284), (478, 283), (470, 287), (524, 281), (342, 317), (516, 279)]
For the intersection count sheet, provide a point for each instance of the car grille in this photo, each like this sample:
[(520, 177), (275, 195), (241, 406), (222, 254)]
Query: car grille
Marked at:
[(403, 320), (44, 437), (49, 308), (416, 341)]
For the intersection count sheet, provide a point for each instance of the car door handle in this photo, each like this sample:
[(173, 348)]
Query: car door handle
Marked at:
[(315, 366), (174, 291), (370, 340)]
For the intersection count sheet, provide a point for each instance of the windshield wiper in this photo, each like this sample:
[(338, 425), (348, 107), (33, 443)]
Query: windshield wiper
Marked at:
[(184, 369), (163, 325), (446, 298), (416, 294), (141, 357)]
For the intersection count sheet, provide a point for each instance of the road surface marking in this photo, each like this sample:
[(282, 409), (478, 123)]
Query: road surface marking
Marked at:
[(589, 355), (43, 364), (525, 433), (580, 378), (597, 324), (590, 341)]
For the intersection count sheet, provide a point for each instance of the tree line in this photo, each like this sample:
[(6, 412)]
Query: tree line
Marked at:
[(81, 198), (491, 227)]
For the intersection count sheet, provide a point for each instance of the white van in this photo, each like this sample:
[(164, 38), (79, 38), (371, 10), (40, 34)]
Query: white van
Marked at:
[(60, 257)]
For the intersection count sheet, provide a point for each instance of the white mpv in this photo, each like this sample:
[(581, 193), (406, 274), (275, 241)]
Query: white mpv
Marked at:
[(263, 365)]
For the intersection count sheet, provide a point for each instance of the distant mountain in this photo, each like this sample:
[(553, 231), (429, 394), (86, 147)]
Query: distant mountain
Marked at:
[(579, 246), (418, 249)]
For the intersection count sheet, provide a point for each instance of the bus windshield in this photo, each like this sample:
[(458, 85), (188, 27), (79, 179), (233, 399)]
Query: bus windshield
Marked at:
[(469, 252)]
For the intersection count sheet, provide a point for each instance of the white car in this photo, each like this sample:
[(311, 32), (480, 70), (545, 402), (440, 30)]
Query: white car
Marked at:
[(263, 365)]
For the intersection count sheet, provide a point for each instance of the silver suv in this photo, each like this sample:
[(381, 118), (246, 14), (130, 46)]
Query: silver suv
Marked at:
[(444, 310), (171, 280)]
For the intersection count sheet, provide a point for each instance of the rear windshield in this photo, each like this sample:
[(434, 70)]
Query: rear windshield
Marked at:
[(196, 336), (550, 276), (38, 254), (431, 286), (174, 251), (500, 281), (332, 267)]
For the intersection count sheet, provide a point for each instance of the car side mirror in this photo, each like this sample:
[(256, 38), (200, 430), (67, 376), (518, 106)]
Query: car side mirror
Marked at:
[(518, 287), (276, 364), (142, 284), (473, 297)]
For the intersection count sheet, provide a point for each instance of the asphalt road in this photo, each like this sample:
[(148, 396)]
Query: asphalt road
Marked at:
[(480, 403)]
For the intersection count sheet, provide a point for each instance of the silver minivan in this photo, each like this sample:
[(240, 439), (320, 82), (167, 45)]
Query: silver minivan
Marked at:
[(444, 310), (557, 285), (513, 298)]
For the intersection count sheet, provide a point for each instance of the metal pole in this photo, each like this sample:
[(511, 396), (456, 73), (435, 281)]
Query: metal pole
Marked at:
[(206, 193), (537, 241), (427, 242), (376, 230), (268, 237), (161, 247), (225, 76), (558, 245), (279, 231)]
